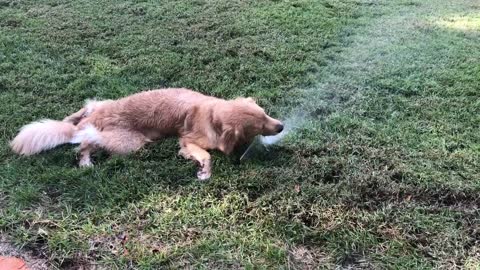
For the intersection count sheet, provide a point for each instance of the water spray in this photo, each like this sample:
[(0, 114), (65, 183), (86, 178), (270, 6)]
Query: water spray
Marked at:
[(248, 149), (291, 124)]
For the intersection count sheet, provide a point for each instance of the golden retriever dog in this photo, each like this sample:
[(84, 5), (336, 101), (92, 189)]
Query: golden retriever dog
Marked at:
[(125, 125)]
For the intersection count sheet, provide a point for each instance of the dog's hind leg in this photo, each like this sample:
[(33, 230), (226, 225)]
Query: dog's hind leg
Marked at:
[(86, 148), (87, 110), (201, 156), (89, 138), (75, 117), (122, 141), (118, 141)]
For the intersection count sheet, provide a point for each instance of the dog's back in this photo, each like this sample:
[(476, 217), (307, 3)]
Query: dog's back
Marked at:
[(155, 113)]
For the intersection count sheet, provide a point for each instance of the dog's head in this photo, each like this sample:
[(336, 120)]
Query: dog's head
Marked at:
[(241, 120)]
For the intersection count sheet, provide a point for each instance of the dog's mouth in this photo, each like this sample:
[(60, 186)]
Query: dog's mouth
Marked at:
[(267, 134)]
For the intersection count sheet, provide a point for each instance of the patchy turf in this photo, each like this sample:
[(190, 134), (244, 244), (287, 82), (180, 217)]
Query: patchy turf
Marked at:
[(382, 171)]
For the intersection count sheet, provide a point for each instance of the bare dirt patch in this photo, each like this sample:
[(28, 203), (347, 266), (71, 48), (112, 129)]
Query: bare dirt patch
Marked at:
[(33, 262)]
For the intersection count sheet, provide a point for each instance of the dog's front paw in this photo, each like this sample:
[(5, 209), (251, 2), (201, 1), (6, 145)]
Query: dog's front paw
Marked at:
[(184, 153), (203, 174), (85, 163)]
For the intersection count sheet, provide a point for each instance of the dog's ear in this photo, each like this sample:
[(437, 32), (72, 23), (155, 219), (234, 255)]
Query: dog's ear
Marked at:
[(228, 131), (190, 119), (247, 99), (250, 99), (228, 140)]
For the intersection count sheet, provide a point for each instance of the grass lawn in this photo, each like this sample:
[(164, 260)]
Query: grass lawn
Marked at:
[(381, 171)]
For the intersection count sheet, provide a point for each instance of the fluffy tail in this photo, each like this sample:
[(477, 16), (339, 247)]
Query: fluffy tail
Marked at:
[(42, 135)]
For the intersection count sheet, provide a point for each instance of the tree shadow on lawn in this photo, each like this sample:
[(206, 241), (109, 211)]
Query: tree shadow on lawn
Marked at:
[(115, 181), (53, 184)]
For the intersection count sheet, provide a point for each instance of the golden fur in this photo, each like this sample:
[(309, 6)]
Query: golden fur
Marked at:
[(125, 125)]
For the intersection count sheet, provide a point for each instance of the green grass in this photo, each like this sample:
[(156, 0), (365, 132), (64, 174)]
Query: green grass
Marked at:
[(383, 171)]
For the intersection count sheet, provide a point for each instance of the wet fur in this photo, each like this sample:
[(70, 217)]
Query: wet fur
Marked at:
[(125, 125)]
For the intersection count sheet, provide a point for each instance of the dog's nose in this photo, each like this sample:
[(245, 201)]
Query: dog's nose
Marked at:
[(279, 128)]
